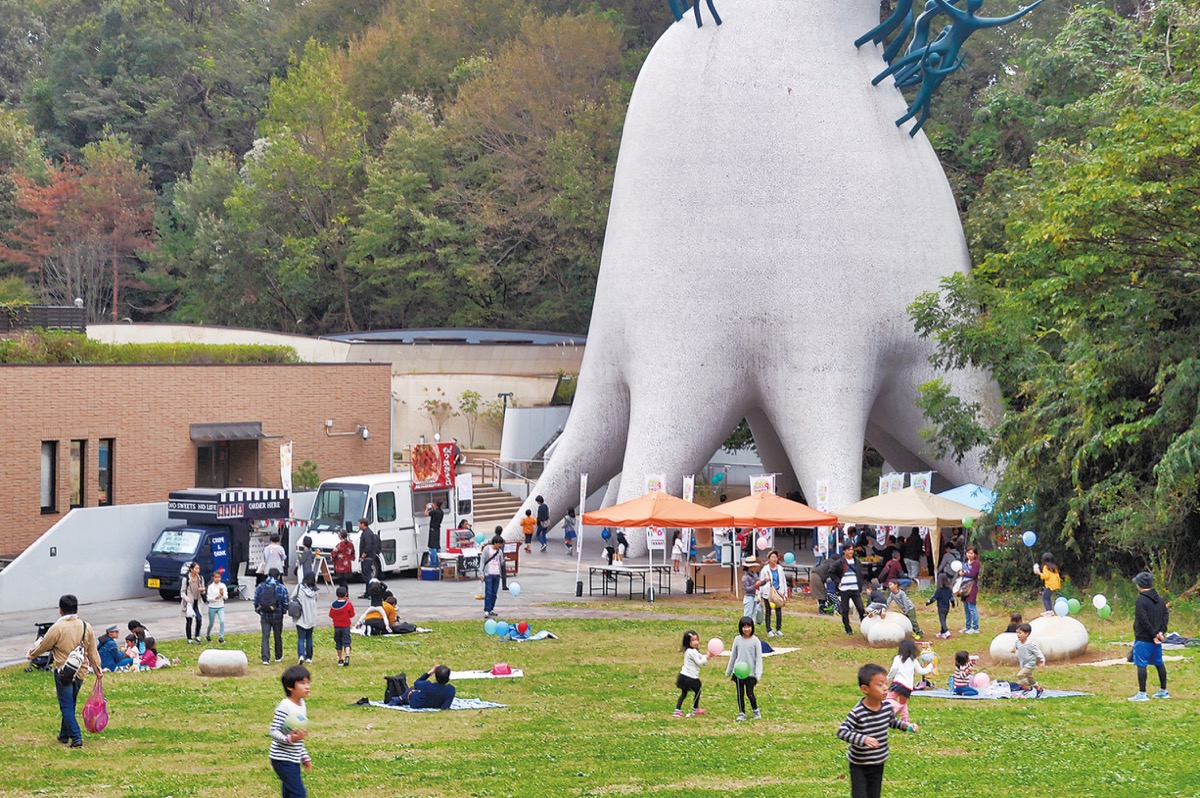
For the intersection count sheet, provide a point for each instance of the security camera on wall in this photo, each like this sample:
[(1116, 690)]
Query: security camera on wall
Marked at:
[(366, 433)]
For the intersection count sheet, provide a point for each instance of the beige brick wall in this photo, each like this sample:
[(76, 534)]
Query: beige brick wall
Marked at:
[(148, 410)]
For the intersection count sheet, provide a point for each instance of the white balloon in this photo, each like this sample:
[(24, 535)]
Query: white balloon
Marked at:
[(1061, 607), (514, 588), (956, 566), (1099, 600)]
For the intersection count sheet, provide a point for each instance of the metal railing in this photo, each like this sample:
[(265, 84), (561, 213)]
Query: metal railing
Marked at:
[(495, 472)]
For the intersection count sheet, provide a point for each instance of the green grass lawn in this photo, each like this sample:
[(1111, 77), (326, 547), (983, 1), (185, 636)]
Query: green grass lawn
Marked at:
[(593, 717)]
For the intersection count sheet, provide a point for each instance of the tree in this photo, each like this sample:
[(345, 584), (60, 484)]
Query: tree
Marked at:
[(470, 405), (438, 410), (83, 226)]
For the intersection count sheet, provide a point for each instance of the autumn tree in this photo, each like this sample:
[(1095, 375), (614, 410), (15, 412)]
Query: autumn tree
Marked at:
[(83, 226)]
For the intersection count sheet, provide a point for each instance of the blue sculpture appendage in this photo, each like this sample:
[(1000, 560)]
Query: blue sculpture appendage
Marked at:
[(680, 6), (927, 63)]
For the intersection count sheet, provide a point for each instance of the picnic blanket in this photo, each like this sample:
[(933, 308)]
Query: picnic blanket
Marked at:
[(1104, 663), (458, 676), (770, 653), (459, 703), (362, 630), (990, 695), (542, 635)]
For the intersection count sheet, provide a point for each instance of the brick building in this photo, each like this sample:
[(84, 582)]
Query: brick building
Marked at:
[(93, 435)]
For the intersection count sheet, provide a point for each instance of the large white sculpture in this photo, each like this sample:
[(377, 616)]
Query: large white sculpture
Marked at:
[(769, 226), (886, 631), (1058, 638)]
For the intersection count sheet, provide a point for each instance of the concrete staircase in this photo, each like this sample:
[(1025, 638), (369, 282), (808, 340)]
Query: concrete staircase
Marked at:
[(492, 507)]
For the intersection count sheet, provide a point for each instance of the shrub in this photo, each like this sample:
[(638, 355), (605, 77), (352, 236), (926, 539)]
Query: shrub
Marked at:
[(54, 346)]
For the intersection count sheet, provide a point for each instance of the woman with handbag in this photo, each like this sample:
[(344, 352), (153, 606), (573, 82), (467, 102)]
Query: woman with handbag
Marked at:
[(776, 594), (192, 591), (969, 592)]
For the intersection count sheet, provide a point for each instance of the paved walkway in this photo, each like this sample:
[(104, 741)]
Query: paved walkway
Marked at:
[(544, 578)]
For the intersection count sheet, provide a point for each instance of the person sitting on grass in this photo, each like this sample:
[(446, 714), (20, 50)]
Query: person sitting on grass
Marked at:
[(964, 667), (425, 694), (1014, 621)]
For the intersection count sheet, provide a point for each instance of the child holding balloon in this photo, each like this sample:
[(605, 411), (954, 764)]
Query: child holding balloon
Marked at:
[(1051, 582), (745, 666), (688, 680), (288, 754)]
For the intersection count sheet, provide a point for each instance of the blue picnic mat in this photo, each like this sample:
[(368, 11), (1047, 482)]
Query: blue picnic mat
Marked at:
[(459, 703), (995, 696)]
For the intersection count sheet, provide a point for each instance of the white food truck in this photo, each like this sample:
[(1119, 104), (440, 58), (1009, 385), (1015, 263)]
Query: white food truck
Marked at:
[(394, 510)]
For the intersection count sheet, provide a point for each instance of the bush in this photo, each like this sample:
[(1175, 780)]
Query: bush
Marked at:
[(1008, 570), (53, 346)]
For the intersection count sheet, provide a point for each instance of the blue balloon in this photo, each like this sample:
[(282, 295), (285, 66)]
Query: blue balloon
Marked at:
[(489, 626), (789, 558), (1029, 538), (514, 588), (1061, 607), (479, 538), (604, 533), (502, 628)]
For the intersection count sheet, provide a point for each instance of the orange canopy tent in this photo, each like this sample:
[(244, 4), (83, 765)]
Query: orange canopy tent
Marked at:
[(769, 510), (658, 509)]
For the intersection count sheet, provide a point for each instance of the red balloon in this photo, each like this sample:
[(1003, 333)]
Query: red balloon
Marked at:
[(522, 628)]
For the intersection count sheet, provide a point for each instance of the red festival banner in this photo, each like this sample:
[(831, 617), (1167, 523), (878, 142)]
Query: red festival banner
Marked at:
[(433, 466)]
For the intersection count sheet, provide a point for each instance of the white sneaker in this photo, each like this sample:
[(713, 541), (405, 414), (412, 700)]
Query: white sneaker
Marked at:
[(757, 715), (770, 633), (1140, 697)]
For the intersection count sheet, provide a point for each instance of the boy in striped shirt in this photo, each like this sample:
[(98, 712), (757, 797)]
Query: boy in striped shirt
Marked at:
[(866, 729), (288, 730)]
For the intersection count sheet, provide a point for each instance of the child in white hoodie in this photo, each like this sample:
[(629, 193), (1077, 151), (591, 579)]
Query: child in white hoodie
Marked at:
[(903, 674), (688, 680)]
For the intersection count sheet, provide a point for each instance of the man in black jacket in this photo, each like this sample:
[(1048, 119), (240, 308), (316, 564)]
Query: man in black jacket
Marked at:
[(1150, 617), (368, 550), (847, 575)]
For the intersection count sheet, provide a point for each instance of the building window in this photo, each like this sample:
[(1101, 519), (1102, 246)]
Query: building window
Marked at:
[(104, 472), (78, 453), (49, 476)]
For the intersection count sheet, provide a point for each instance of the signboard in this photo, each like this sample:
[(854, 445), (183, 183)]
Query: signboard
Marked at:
[(220, 552), (202, 504), (432, 466), (763, 483), (656, 538), (656, 483), (922, 480)]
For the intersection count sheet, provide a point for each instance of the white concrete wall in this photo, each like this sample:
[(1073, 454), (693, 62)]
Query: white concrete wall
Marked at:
[(98, 556), (526, 430)]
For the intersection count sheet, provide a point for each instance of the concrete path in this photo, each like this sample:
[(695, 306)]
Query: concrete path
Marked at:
[(544, 578)]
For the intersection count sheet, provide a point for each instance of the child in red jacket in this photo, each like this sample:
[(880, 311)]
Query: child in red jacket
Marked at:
[(342, 613)]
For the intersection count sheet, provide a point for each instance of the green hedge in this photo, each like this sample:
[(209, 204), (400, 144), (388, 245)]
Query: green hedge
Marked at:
[(49, 347)]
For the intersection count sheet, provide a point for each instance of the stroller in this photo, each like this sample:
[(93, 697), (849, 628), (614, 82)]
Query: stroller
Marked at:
[(42, 662)]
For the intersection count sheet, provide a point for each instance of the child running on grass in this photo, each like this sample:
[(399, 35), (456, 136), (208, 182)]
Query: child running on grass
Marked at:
[(866, 729), (288, 754), (688, 680), (747, 651), (903, 674), (1051, 582), (1029, 656)]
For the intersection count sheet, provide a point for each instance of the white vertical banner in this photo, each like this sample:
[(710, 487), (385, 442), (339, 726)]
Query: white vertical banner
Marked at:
[(285, 466), (583, 479), (689, 494), (656, 483), (763, 483), (897, 481), (923, 480), (822, 533), (885, 485)]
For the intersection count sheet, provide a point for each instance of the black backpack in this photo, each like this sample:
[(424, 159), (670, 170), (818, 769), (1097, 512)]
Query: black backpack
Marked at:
[(396, 685)]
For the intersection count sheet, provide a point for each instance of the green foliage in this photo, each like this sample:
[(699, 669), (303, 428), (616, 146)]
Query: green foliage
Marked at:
[(1009, 569), (1082, 306), (15, 291), (51, 346), (305, 476), (740, 438), (470, 405)]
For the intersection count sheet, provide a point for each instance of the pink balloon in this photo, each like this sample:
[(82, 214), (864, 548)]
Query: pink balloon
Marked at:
[(763, 543), (715, 647), (981, 681)]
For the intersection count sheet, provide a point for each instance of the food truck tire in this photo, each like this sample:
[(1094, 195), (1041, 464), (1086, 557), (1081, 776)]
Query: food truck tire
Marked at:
[(169, 595)]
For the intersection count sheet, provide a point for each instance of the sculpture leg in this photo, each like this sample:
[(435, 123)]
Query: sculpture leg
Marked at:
[(592, 441), (677, 9), (822, 445), (921, 121), (903, 62), (696, 8)]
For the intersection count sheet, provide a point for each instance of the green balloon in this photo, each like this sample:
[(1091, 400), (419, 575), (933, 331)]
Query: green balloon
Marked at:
[(741, 670), (1073, 605), (1105, 611), (968, 521)]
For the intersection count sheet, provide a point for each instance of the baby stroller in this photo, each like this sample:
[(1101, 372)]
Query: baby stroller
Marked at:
[(42, 662)]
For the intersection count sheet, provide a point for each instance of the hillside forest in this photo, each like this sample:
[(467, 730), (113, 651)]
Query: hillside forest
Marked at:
[(322, 166)]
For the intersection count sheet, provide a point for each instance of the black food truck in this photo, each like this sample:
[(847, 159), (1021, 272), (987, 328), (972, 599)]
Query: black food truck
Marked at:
[(214, 530)]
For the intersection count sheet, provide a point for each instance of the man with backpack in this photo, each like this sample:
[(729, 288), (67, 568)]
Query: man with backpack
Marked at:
[(271, 602), (71, 641)]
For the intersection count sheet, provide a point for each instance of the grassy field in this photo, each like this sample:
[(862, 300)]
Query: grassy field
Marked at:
[(593, 717)]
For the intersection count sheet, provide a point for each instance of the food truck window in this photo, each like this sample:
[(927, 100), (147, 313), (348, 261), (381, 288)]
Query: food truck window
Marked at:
[(176, 541), (386, 506), (337, 504)]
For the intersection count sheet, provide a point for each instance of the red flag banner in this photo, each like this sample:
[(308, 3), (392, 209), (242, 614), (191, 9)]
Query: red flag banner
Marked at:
[(433, 466)]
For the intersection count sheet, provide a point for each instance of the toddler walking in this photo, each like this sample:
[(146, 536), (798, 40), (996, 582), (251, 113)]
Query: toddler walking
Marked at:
[(688, 680), (1029, 656), (747, 651), (944, 597)]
